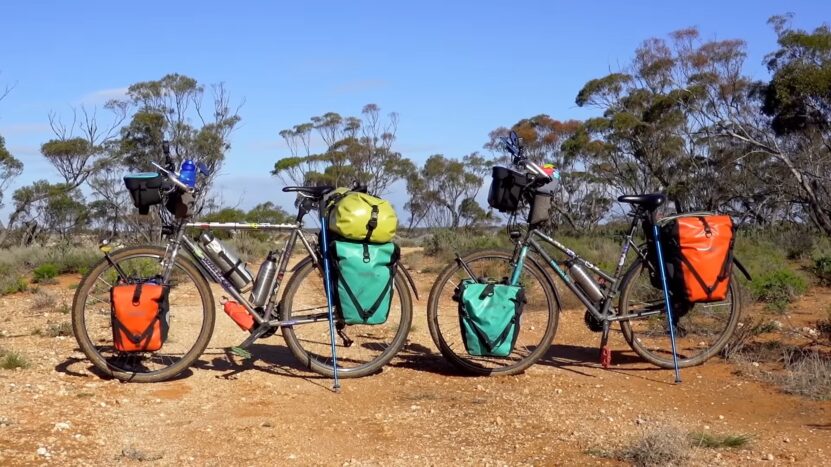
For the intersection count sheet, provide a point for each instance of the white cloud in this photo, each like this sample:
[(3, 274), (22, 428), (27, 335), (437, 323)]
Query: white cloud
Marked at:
[(101, 97)]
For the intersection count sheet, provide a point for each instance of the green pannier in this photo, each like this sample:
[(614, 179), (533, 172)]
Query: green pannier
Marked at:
[(364, 275), (489, 317), (362, 217)]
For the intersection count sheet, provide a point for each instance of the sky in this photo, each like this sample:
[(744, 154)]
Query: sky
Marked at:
[(452, 70)]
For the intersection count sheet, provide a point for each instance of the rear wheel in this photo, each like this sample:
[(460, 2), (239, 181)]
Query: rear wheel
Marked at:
[(373, 346), (702, 331), (538, 322), (191, 316)]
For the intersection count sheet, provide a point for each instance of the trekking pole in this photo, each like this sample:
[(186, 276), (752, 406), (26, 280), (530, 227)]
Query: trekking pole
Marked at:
[(663, 271), (324, 249)]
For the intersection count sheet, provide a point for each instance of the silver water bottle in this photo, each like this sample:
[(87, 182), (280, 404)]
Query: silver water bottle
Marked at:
[(266, 278), (585, 282), (228, 262)]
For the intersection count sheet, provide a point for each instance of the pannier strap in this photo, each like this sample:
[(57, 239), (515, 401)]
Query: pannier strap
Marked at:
[(366, 314), (371, 226), (137, 294)]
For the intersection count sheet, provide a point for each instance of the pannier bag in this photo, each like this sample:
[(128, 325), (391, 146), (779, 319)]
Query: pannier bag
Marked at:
[(139, 316), (362, 217), (489, 317), (698, 253), (145, 189), (507, 189), (364, 275)]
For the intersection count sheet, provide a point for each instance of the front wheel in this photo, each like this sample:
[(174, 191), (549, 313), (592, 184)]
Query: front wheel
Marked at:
[(701, 332), (538, 321), (372, 346), (190, 317)]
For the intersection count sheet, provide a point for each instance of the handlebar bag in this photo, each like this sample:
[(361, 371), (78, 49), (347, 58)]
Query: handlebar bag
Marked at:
[(507, 189), (364, 275), (139, 316), (698, 254), (489, 316), (145, 189), (362, 217)]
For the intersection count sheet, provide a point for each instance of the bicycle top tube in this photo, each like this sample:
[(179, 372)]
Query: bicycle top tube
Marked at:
[(242, 226)]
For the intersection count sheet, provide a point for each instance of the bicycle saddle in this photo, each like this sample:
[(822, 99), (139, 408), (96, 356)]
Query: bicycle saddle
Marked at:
[(315, 192), (648, 201)]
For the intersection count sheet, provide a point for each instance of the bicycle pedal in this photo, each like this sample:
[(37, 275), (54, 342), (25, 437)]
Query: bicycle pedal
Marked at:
[(605, 356), (240, 352)]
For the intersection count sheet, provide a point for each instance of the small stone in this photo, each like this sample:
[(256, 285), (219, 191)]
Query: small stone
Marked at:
[(499, 421), (558, 391), (61, 426), (42, 451), (769, 457), (721, 417)]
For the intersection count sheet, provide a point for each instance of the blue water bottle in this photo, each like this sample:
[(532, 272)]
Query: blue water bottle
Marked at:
[(187, 174)]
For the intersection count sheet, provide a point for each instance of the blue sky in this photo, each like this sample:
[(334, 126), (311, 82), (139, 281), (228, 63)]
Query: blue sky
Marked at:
[(452, 70)]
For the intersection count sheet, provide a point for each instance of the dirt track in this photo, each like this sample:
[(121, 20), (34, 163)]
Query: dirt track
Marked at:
[(417, 411)]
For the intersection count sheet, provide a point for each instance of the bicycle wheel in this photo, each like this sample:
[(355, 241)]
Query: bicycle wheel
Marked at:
[(191, 316), (700, 333), (373, 346), (538, 322)]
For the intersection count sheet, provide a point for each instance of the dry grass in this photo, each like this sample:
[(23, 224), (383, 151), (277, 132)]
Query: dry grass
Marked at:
[(59, 329), (658, 445), (807, 373), (10, 360), (711, 441), (44, 300)]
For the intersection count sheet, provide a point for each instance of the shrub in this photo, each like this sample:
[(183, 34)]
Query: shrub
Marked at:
[(659, 445), (13, 283), (444, 243), (707, 440), (45, 272), (59, 329), (12, 360), (43, 300), (778, 288), (822, 269), (807, 373)]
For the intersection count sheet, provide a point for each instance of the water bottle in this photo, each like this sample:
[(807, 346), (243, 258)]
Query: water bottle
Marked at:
[(265, 280), (227, 261), (585, 282), (187, 174)]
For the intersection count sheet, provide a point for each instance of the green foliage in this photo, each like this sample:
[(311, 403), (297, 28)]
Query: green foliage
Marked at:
[(443, 243), (12, 360), (822, 269), (45, 272), (712, 441), (61, 329), (10, 168), (778, 288), (13, 283)]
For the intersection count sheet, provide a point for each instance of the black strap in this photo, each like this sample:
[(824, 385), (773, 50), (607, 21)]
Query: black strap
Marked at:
[(137, 294), (365, 313), (371, 226)]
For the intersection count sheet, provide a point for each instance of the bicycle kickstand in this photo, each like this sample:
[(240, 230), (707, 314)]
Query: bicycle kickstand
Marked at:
[(605, 351)]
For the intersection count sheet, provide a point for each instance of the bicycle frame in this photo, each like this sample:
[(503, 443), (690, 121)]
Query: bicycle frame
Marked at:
[(211, 271), (611, 282)]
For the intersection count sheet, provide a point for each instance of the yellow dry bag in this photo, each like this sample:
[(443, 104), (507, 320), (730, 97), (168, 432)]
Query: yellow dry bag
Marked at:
[(362, 217)]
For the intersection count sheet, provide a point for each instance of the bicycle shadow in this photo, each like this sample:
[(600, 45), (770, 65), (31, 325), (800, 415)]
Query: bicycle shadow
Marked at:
[(69, 368), (573, 358), (272, 359), (420, 358)]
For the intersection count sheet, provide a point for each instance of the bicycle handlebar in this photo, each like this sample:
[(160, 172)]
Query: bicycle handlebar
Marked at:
[(173, 178)]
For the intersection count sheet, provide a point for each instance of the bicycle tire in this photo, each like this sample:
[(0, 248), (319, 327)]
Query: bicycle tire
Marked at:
[(366, 336), (446, 334), (692, 349), (127, 370)]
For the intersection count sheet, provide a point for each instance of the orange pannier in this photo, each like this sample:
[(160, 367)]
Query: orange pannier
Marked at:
[(139, 316), (698, 252)]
